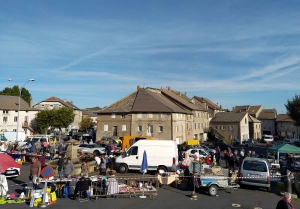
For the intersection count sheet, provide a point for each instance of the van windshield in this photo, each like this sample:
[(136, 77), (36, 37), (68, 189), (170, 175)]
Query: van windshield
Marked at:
[(255, 166)]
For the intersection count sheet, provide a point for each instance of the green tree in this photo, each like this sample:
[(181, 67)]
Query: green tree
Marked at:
[(86, 123), (293, 109), (55, 118), (43, 120), (14, 91)]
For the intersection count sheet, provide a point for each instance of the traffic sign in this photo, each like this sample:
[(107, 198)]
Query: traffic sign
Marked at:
[(47, 172)]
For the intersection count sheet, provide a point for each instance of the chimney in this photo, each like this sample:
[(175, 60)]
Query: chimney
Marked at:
[(185, 93), (71, 102), (65, 100), (179, 93), (202, 99), (169, 88), (138, 87), (30, 103), (232, 109), (221, 107)]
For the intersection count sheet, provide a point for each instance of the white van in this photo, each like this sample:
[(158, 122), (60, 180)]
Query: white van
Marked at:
[(161, 155), (267, 138)]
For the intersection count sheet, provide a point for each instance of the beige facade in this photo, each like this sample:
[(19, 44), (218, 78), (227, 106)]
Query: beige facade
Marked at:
[(113, 124), (54, 102), (231, 125), (286, 127)]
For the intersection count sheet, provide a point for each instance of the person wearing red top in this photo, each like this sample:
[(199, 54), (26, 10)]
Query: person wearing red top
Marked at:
[(207, 160)]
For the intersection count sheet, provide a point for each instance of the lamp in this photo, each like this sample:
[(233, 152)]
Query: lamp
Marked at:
[(19, 105)]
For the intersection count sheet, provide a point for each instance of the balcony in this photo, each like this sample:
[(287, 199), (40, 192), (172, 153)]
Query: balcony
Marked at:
[(25, 124)]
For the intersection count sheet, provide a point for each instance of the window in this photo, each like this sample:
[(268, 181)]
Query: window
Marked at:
[(216, 127), (187, 126), (113, 115), (202, 125), (123, 115), (223, 128), (198, 115), (231, 128), (160, 129), (181, 128), (15, 119), (150, 115), (161, 115), (177, 115), (245, 120), (26, 119), (123, 127), (195, 125), (14, 130), (105, 128), (133, 151), (255, 166), (5, 119), (177, 128), (198, 125), (139, 116), (140, 128), (5, 111)]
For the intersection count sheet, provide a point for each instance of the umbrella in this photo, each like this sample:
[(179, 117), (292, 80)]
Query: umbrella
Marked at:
[(143, 170), (7, 162)]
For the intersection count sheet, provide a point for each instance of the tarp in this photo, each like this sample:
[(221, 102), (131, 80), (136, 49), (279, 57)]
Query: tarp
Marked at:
[(6, 162), (284, 148)]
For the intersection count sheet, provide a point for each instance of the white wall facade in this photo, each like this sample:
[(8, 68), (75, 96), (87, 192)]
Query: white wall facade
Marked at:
[(8, 120)]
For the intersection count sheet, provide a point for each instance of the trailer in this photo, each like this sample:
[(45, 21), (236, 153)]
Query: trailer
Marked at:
[(214, 178)]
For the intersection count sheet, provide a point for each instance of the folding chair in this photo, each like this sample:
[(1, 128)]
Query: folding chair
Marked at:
[(82, 186)]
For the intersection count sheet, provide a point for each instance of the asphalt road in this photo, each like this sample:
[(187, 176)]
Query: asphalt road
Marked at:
[(168, 197)]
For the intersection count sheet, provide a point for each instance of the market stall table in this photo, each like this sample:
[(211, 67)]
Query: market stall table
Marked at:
[(41, 158), (166, 180)]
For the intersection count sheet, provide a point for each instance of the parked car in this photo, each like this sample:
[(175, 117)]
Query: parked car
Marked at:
[(270, 143), (223, 145), (248, 143), (295, 164), (235, 142), (256, 173), (91, 149), (207, 149), (202, 152), (9, 167)]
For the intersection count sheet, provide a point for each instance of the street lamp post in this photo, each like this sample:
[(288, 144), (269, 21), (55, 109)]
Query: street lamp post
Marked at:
[(19, 104)]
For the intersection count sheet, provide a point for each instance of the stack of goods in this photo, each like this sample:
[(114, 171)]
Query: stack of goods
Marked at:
[(11, 198)]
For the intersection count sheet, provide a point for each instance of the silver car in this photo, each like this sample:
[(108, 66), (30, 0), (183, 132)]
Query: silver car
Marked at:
[(255, 172)]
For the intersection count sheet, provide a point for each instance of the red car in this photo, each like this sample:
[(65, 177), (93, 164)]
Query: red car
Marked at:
[(8, 166), (270, 144)]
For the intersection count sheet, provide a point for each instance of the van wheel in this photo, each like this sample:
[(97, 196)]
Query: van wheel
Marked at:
[(213, 190), (162, 168), (123, 168)]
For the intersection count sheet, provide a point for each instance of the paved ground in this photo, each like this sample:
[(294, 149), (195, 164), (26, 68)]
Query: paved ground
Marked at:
[(168, 197)]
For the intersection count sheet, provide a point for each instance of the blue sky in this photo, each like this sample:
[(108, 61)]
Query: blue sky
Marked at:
[(96, 52)]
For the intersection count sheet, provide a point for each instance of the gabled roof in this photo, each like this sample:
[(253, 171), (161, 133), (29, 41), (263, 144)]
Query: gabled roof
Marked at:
[(267, 114), (151, 101), (12, 102), (253, 119), (121, 106), (89, 113), (209, 103), (243, 108), (284, 118), (228, 117), (56, 99), (254, 109), (180, 101)]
